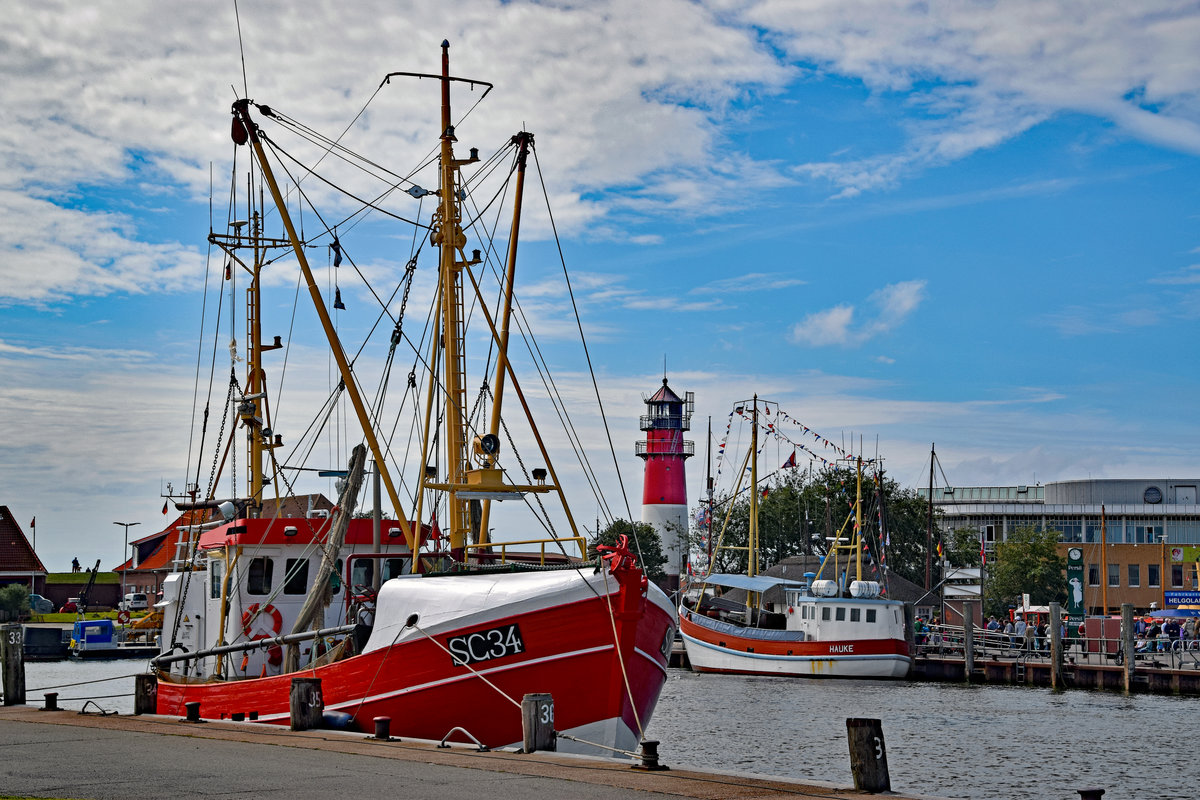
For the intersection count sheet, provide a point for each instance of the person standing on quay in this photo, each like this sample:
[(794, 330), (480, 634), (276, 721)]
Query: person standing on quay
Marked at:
[(1030, 638)]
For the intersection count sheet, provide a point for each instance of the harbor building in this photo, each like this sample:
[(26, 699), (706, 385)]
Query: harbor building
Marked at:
[(664, 488), (1140, 538)]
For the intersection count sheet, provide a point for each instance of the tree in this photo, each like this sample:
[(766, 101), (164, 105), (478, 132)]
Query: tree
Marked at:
[(963, 548), (644, 541), (1026, 563), (14, 598)]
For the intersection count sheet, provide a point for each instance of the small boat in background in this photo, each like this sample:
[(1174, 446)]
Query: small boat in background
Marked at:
[(102, 639), (826, 627)]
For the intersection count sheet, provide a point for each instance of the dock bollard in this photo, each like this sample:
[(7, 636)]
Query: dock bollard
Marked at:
[(193, 711), (12, 664), (650, 761), (145, 693), (868, 756), (1090, 794), (307, 707), (383, 727), (51, 702)]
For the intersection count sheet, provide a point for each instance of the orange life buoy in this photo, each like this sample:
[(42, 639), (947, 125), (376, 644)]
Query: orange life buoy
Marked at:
[(254, 612)]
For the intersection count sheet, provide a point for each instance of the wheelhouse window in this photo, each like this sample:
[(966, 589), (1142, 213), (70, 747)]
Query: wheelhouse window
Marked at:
[(258, 577), (870, 615), (855, 615), (295, 581), (841, 614), (216, 569), (825, 614)]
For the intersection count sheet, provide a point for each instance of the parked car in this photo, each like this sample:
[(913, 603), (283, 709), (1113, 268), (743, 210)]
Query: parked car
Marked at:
[(134, 601), (40, 605)]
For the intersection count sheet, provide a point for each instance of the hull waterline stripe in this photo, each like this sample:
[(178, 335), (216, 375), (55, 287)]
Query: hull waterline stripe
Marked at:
[(771, 657)]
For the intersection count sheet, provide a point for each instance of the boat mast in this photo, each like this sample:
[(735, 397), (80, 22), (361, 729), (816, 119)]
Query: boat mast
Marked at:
[(858, 537), (752, 555), (522, 140), (244, 131), (929, 524)]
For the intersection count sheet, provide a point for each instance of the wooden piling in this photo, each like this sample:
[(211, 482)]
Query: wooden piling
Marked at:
[(307, 704), (12, 656), (1127, 644), (1056, 648), (868, 756), (968, 639), (537, 722), (145, 693)]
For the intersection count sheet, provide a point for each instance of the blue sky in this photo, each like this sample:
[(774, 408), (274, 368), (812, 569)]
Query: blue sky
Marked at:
[(965, 223)]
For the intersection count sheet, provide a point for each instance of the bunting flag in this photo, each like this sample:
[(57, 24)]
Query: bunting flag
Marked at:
[(336, 247), (33, 522), (164, 508), (982, 554), (791, 462)]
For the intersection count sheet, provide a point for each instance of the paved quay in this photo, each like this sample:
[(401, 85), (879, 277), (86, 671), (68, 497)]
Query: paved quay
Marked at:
[(64, 754)]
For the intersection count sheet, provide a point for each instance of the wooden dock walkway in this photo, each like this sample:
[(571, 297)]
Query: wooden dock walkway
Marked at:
[(90, 757)]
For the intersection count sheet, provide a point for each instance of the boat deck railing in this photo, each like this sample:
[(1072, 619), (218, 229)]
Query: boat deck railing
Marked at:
[(487, 551)]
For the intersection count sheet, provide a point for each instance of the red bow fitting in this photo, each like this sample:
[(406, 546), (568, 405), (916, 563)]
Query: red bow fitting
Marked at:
[(618, 556)]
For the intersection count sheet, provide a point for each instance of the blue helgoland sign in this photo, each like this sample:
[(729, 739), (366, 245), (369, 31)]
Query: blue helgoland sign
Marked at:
[(1183, 598)]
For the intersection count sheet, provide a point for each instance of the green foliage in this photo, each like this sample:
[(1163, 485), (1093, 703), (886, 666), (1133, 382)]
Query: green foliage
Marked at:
[(14, 598), (962, 548), (802, 509), (644, 541), (1027, 562)]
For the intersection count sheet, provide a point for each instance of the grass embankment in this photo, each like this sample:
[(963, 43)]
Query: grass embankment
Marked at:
[(68, 618), (80, 578)]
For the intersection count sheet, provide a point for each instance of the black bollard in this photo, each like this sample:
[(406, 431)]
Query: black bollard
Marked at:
[(650, 761), (51, 702), (868, 756), (193, 711), (238, 716), (383, 727), (1090, 794), (253, 716)]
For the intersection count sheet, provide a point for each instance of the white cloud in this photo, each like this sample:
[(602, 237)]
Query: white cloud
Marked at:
[(749, 282), (893, 303)]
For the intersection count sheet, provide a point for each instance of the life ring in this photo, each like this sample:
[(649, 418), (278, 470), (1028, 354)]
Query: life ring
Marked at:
[(123, 617), (254, 612)]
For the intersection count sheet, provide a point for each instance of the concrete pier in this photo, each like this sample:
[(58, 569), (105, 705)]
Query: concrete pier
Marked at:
[(66, 754)]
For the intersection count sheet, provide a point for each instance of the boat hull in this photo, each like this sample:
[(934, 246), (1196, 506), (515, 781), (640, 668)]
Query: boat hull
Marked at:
[(569, 652), (711, 650)]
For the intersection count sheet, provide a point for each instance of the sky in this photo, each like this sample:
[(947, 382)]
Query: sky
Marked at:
[(972, 224)]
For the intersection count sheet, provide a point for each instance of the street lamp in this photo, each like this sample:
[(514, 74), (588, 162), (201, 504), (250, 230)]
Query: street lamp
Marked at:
[(124, 553)]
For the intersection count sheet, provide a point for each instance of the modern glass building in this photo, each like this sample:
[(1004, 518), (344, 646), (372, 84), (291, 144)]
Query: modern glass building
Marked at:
[(1140, 538)]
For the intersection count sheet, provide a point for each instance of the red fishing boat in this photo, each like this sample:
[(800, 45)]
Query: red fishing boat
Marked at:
[(441, 626)]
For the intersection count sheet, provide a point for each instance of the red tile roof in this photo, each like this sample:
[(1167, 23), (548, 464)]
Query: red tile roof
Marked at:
[(16, 554)]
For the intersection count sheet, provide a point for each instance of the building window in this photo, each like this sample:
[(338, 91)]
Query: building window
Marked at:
[(1152, 576), (296, 579), (1093, 574), (258, 581), (1135, 575), (1177, 576), (1114, 574)]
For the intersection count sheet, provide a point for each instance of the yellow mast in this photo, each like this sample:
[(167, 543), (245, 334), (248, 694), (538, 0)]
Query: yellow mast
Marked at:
[(858, 520), (242, 111)]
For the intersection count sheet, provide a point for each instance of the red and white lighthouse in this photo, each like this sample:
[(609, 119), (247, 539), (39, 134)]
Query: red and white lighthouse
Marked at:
[(664, 490)]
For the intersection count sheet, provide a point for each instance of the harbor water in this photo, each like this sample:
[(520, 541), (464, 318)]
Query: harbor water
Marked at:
[(949, 740)]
